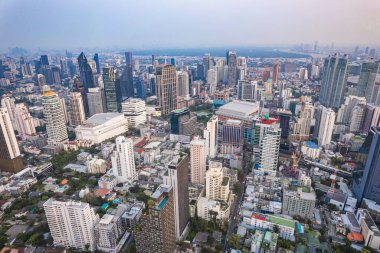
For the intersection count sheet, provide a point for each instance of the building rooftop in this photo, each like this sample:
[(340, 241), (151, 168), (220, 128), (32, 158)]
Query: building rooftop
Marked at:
[(311, 144), (101, 118)]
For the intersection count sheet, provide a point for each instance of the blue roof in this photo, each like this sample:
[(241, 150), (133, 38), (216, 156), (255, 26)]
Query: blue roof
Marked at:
[(104, 206), (311, 144), (163, 202), (116, 201)]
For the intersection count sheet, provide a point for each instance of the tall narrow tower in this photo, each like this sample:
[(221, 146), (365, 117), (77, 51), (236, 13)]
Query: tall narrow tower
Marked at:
[(123, 160), (166, 80)]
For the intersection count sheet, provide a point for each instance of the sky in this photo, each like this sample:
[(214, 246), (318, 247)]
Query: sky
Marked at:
[(151, 24)]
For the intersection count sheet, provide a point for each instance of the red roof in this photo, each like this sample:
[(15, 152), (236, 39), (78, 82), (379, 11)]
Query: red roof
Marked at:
[(268, 121), (102, 192), (258, 217), (140, 150)]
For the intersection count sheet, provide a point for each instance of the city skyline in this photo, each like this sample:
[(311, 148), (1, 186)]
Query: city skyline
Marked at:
[(189, 24)]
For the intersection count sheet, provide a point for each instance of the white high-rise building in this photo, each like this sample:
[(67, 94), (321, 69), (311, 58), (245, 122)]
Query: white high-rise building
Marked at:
[(217, 185), (198, 160), (62, 101), (212, 80), (23, 121), (76, 112), (211, 136), (302, 126), (269, 149), (55, 118), (326, 126), (183, 83), (357, 117), (95, 100), (71, 223), (135, 111), (346, 109), (303, 74), (123, 160), (9, 103)]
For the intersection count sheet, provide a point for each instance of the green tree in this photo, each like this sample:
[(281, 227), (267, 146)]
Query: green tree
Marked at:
[(234, 242)]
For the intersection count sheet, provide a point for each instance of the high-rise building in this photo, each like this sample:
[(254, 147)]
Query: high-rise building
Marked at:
[(71, 223), (217, 185), (96, 60), (303, 74), (85, 72), (55, 118), (76, 112), (198, 160), (183, 83), (302, 126), (334, 81), (247, 90), (112, 90), (128, 58), (367, 185), (9, 103), (123, 160), (212, 80), (276, 72), (44, 60), (210, 134), (135, 111), (346, 109), (298, 202), (166, 83), (357, 117), (24, 122), (126, 82), (95, 100), (41, 80), (232, 68), (266, 74), (156, 232), (366, 84), (232, 136), (140, 87), (284, 118), (10, 157), (371, 118), (177, 178), (326, 126), (176, 117)]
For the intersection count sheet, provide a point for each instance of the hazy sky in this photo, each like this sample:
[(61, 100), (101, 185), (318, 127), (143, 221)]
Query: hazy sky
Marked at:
[(149, 24)]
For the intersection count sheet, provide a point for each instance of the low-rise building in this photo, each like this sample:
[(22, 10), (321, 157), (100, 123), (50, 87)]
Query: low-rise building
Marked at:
[(208, 208), (300, 201), (107, 181), (368, 229), (97, 165)]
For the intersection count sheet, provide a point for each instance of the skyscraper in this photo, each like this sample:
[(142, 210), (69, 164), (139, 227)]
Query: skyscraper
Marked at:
[(10, 157), (127, 83), (266, 74), (367, 79), (232, 68), (183, 83), (302, 126), (276, 72), (166, 81), (123, 160), (284, 118), (371, 118), (140, 87), (334, 81), (326, 126), (24, 122), (217, 185), (96, 60), (55, 118), (212, 80), (112, 89), (95, 100), (156, 232), (135, 111), (128, 58), (85, 72), (71, 223), (176, 117), (198, 160), (76, 111), (177, 177), (210, 133), (44, 60), (367, 186), (247, 90)]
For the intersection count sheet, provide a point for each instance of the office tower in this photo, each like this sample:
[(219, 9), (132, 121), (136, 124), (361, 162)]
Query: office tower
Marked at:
[(156, 232), (217, 185), (284, 118), (200, 71), (276, 72), (112, 90), (267, 136), (183, 83), (219, 65), (372, 52), (96, 60), (24, 123), (172, 61), (110, 231), (95, 100), (177, 178), (232, 136), (9, 102), (316, 46), (266, 74), (207, 62), (76, 109), (135, 111), (346, 109), (47, 71), (10, 157), (128, 58), (298, 202), (198, 160), (85, 72), (140, 87), (232, 68), (210, 134), (176, 117), (314, 71), (154, 61), (241, 67), (366, 186), (371, 118), (326, 126), (44, 60), (303, 74), (357, 117), (212, 80), (366, 84), (62, 102), (126, 82), (318, 117), (123, 160), (334, 81), (302, 126), (71, 223), (55, 118), (247, 90), (166, 83)]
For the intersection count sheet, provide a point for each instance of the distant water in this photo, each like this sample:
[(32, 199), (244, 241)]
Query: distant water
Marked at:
[(221, 52)]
